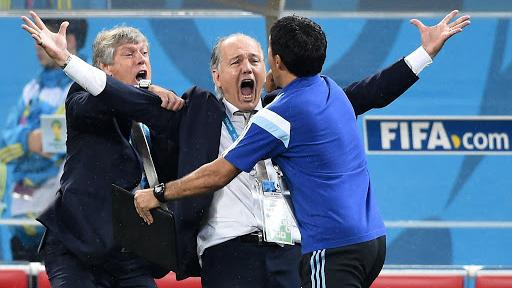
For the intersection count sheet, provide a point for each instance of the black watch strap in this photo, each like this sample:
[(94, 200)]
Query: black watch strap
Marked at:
[(159, 191)]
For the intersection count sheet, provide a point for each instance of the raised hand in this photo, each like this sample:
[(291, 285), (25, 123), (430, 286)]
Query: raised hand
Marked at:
[(434, 37), (54, 44)]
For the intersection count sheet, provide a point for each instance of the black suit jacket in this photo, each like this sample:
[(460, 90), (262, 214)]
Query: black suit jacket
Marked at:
[(98, 155), (183, 141)]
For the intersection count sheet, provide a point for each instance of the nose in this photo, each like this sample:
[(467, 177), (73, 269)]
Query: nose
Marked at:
[(246, 67), (141, 58)]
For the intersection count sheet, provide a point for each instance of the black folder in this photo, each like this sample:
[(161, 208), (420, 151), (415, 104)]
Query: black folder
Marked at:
[(156, 242)]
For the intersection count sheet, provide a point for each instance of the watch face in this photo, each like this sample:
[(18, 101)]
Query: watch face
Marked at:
[(158, 192), (159, 188), (144, 83)]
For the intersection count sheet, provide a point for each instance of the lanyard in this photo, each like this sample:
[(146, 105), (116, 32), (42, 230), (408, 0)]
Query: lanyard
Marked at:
[(277, 216), (231, 128)]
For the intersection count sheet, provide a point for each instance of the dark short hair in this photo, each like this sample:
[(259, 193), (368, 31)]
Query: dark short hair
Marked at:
[(301, 44), (77, 27)]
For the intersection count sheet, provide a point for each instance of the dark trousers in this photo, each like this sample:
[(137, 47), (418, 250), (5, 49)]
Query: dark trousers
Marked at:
[(354, 266), (237, 263), (120, 269)]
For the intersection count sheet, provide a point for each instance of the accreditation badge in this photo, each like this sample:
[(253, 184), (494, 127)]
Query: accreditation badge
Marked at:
[(277, 218), (53, 129)]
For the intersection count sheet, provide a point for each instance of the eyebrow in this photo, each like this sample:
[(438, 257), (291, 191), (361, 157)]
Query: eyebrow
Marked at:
[(127, 48), (132, 49), (251, 55), (133, 46)]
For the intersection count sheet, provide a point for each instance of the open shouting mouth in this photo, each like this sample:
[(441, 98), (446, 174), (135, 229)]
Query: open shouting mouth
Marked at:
[(247, 87), (142, 74)]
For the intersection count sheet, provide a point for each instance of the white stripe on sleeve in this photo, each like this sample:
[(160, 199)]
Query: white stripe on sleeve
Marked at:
[(274, 124)]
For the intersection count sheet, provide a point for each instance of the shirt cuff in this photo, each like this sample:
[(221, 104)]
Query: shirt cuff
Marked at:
[(418, 60), (89, 77)]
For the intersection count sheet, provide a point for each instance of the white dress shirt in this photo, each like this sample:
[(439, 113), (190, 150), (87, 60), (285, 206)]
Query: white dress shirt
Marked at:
[(234, 210), (418, 60)]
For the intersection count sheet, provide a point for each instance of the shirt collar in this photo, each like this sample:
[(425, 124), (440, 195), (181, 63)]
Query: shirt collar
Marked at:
[(230, 108)]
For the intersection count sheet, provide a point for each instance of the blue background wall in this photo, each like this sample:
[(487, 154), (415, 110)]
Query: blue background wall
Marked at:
[(471, 76)]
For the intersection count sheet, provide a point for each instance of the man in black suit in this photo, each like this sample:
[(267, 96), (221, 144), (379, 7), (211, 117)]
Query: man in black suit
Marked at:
[(78, 248), (182, 141)]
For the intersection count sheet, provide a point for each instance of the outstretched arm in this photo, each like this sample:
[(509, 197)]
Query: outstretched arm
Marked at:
[(207, 178), (90, 78), (382, 88)]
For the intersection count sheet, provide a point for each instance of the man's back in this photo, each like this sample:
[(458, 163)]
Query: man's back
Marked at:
[(315, 141)]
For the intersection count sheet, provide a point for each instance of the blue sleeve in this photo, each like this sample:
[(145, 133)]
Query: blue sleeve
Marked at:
[(266, 136)]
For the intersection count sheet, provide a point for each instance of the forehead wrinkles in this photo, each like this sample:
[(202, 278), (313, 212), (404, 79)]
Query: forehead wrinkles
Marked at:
[(132, 46), (240, 46)]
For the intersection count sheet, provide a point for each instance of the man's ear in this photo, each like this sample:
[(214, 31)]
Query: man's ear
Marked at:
[(279, 63), (106, 69), (216, 78)]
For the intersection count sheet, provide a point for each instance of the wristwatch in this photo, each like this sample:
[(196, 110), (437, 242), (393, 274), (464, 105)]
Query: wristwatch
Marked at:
[(159, 191), (68, 59), (144, 83)]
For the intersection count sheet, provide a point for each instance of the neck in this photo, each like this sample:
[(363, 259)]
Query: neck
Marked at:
[(287, 78)]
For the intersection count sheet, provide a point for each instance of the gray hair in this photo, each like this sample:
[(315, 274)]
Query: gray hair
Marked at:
[(215, 57), (107, 41)]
